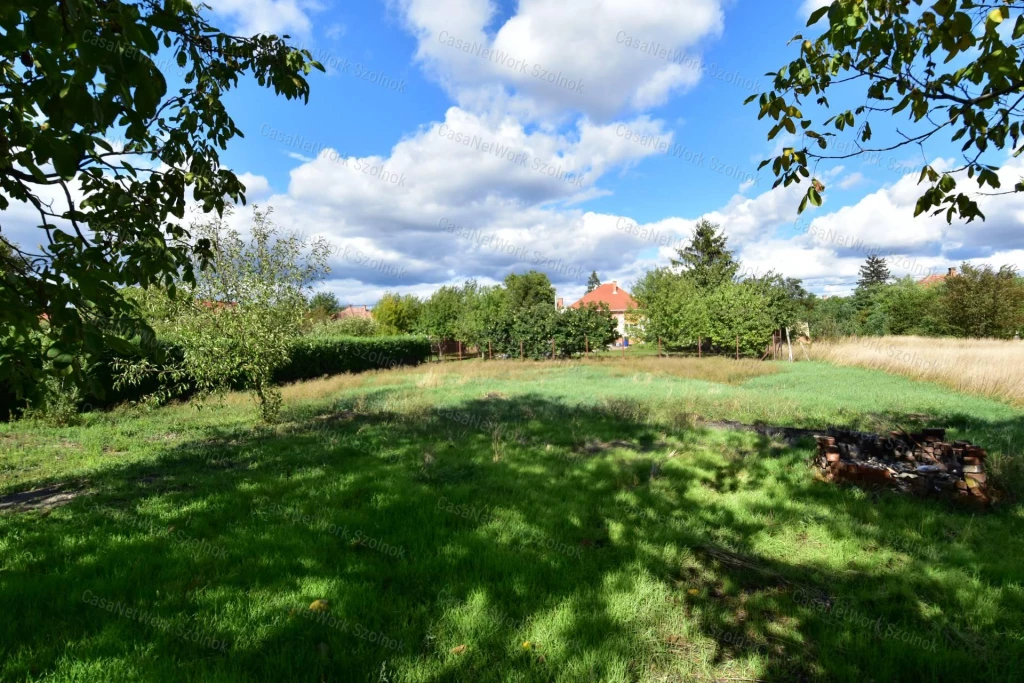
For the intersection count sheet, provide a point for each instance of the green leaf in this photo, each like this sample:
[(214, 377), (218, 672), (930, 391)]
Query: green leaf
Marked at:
[(816, 15)]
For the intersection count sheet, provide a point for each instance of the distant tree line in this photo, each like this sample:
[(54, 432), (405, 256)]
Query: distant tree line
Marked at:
[(701, 299), (518, 315), (978, 301)]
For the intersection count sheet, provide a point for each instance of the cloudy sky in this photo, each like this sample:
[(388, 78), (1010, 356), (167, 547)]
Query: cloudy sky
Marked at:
[(464, 139)]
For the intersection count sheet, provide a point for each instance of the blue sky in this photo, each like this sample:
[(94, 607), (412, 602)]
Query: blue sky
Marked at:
[(472, 138)]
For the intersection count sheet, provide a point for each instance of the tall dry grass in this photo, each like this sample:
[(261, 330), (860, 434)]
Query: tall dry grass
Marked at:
[(989, 367)]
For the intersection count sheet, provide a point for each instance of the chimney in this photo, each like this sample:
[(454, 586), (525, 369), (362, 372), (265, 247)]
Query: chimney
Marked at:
[(952, 272), (559, 304), (615, 283)]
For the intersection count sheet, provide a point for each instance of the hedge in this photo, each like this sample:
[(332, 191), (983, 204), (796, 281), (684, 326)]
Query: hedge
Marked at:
[(311, 357), (317, 356)]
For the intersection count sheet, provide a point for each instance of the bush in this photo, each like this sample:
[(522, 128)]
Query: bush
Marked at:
[(313, 357), (310, 357), (348, 327)]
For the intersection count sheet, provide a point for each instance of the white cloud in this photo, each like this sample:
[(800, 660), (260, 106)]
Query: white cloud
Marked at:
[(597, 57), (808, 6), (851, 180), (278, 17), (256, 186)]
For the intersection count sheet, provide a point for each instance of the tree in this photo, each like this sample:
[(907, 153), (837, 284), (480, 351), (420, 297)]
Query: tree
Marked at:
[(671, 308), (784, 299), (910, 308), (325, 303), (833, 317), (486, 318), (235, 324), (528, 290), (590, 325), (397, 314), (442, 313), (535, 327), (593, 282), (952, 69), (741, 309), (982, 302), (74, 75), (707, 259), (874, 272)]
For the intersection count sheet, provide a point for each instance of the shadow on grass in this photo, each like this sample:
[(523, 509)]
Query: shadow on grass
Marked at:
[(555, 542)]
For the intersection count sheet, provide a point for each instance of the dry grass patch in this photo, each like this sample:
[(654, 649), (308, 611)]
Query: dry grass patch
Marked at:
[(989, 367), (712, 369)]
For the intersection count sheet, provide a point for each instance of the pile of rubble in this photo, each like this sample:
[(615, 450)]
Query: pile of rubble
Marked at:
[(919, 463)]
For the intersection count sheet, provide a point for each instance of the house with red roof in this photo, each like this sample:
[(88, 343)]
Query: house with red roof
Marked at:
[(616, 298), (936, 279), (353, 312)]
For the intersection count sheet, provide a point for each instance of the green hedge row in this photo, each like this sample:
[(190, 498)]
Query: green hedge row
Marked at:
[(317, 356), (311, 357)]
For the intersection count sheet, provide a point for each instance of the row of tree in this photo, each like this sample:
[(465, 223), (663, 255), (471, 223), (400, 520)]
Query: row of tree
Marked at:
[(978, 301), (701, 299), (519, 315)]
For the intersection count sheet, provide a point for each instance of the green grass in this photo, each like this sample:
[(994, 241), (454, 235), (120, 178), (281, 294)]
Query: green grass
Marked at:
[(572, 507)]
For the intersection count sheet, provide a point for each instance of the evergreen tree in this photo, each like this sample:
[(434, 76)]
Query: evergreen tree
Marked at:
[(593, 282), (707, 260), (873, 272)]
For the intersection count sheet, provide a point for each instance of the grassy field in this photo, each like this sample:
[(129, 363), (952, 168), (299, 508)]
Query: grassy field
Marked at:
[(990, 367), (513, 521)]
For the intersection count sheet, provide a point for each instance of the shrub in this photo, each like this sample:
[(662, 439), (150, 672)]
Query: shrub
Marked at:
[(348, 327), (309, 358), (312, 357)]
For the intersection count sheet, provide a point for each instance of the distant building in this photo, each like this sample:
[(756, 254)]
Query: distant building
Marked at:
[(353, 312), (617, 299), (937, 279)]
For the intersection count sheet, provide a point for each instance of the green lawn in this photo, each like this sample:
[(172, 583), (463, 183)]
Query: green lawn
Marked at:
[(508, 521)]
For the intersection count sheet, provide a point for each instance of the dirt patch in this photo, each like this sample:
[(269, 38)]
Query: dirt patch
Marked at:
[(46, 498)]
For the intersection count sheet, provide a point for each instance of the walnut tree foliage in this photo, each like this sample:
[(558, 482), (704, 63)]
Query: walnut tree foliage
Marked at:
[(946, 70), (75, 74)]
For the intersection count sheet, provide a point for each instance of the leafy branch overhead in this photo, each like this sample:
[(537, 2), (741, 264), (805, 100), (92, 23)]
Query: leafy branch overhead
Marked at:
[(74, 75), (951, 69)]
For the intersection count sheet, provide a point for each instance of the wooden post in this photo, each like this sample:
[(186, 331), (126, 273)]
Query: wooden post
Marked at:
[(460, 350), (490, 354), (586, 342), (521, 357), (790, 345), (699, 343), (737, 347)]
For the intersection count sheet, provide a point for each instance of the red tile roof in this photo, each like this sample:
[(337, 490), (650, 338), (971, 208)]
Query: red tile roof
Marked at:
[(353, 312), (616, 297), (936, 279)]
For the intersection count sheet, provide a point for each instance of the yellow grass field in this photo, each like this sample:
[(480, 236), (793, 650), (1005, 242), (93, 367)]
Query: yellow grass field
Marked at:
[(990, 367)]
